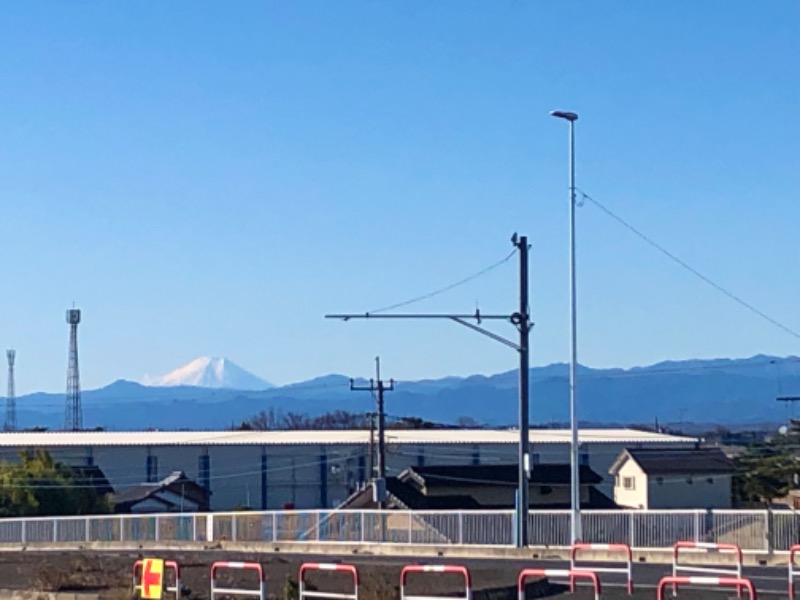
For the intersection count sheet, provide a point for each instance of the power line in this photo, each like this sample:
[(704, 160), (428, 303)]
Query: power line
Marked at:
[(447, 288), (379, 386), (688, 267)]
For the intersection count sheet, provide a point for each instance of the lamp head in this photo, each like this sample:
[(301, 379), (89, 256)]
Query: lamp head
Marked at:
[(563, 114)]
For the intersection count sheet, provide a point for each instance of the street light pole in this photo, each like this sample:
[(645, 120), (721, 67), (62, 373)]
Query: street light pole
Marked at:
[(575, 488)]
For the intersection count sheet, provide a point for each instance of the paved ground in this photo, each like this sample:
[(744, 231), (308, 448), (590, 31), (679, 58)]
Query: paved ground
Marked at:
[(110, 575)]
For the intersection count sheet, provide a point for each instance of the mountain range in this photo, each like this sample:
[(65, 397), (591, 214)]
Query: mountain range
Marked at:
[(721, 391)]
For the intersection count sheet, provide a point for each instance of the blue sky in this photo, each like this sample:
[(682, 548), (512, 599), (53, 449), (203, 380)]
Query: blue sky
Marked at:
[(212, 178)]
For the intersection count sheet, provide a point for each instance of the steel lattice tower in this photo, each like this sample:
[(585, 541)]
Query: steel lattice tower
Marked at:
[(11, 398), (73, 417)]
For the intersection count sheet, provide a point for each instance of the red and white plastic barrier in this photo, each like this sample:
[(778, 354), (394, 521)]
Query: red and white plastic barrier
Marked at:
[(435, 569), (623, 549), (733, 571), (794, 571), (736, 582), (569, 573), (260, 593), (306, 567), (168, 564)]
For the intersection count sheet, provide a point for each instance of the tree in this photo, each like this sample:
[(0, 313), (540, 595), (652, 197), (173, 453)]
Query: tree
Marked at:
[(765, 472), (39, 485), (768, 470), (465, 422), (266, 420)]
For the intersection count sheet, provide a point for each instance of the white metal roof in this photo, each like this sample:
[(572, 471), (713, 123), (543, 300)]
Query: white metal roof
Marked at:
[(361, 436)]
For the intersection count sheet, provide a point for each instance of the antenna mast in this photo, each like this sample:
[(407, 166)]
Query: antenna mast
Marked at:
[(11, 399), (73, 417)]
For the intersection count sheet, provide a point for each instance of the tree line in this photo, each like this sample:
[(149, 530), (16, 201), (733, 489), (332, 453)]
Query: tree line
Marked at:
[(277, 420)]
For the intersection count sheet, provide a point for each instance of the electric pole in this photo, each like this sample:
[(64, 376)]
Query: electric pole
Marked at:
[(521, 320), (377, 387)]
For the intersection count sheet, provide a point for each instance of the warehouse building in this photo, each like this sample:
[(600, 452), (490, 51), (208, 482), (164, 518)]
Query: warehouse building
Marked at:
[(312, 469)]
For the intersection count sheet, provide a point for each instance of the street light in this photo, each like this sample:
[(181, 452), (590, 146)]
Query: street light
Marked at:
[(575, 488)]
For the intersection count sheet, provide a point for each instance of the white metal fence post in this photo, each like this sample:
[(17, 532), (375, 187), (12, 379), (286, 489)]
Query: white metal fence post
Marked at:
[(233, 527), (55, 530), (632, 529), (88, 530), (410, 533), (769, 531), (274, 526), (460, 528), (697, 517), (362, 526), (157, 528), (24, 532)]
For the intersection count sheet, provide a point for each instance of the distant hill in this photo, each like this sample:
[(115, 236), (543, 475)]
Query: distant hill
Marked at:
[(723, 391)]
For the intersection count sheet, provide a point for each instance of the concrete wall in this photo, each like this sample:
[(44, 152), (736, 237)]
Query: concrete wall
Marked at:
[(705, 491)]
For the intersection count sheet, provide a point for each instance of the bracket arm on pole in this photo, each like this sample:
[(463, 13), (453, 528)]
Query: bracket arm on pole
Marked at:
[(486, 332)]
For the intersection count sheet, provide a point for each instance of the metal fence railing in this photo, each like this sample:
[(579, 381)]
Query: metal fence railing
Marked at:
[(752, 530)]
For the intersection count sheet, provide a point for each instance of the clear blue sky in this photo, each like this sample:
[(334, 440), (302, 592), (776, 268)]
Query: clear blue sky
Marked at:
[(211, 178)]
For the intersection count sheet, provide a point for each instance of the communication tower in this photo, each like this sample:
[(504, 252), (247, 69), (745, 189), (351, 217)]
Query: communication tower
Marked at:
[(73, 418), (11, 399)]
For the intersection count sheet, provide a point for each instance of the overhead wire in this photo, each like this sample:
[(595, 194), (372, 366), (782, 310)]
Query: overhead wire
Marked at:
[(688, 267), (446, 288)]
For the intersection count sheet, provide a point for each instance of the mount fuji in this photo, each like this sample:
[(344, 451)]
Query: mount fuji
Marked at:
[(210, 372)]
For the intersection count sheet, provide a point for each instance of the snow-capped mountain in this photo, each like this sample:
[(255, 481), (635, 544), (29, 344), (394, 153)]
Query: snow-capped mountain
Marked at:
[(210, 372)]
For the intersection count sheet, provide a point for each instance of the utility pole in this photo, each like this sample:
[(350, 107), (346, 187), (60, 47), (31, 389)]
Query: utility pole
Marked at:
[(377, 387), (522, 322), (371, 416)]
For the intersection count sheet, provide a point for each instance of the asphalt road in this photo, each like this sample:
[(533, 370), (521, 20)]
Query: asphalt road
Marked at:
[(110, 571), (769, 581)]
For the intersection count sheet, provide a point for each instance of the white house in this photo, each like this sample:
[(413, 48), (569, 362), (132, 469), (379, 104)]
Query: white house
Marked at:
[(672, 478)]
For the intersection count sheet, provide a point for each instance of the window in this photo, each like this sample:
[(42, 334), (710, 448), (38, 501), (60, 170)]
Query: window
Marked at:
[(152, 468), (536, 458), (629, 483), (710, 480), (659, 481), (204, 470), (584, 459)]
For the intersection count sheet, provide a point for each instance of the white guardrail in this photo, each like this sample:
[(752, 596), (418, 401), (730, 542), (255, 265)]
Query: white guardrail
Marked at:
[(751, 530)]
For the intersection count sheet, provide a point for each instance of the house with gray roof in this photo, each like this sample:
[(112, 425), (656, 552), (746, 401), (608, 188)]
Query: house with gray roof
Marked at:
[(673, 478)]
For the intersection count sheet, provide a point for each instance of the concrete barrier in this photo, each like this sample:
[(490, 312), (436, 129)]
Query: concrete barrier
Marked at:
[(647, 555)]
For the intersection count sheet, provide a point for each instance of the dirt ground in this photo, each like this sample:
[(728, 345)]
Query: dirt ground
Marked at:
[(110, 575)]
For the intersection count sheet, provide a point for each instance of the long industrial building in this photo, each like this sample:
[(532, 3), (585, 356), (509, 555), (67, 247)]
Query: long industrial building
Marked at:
[(311, 469)]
